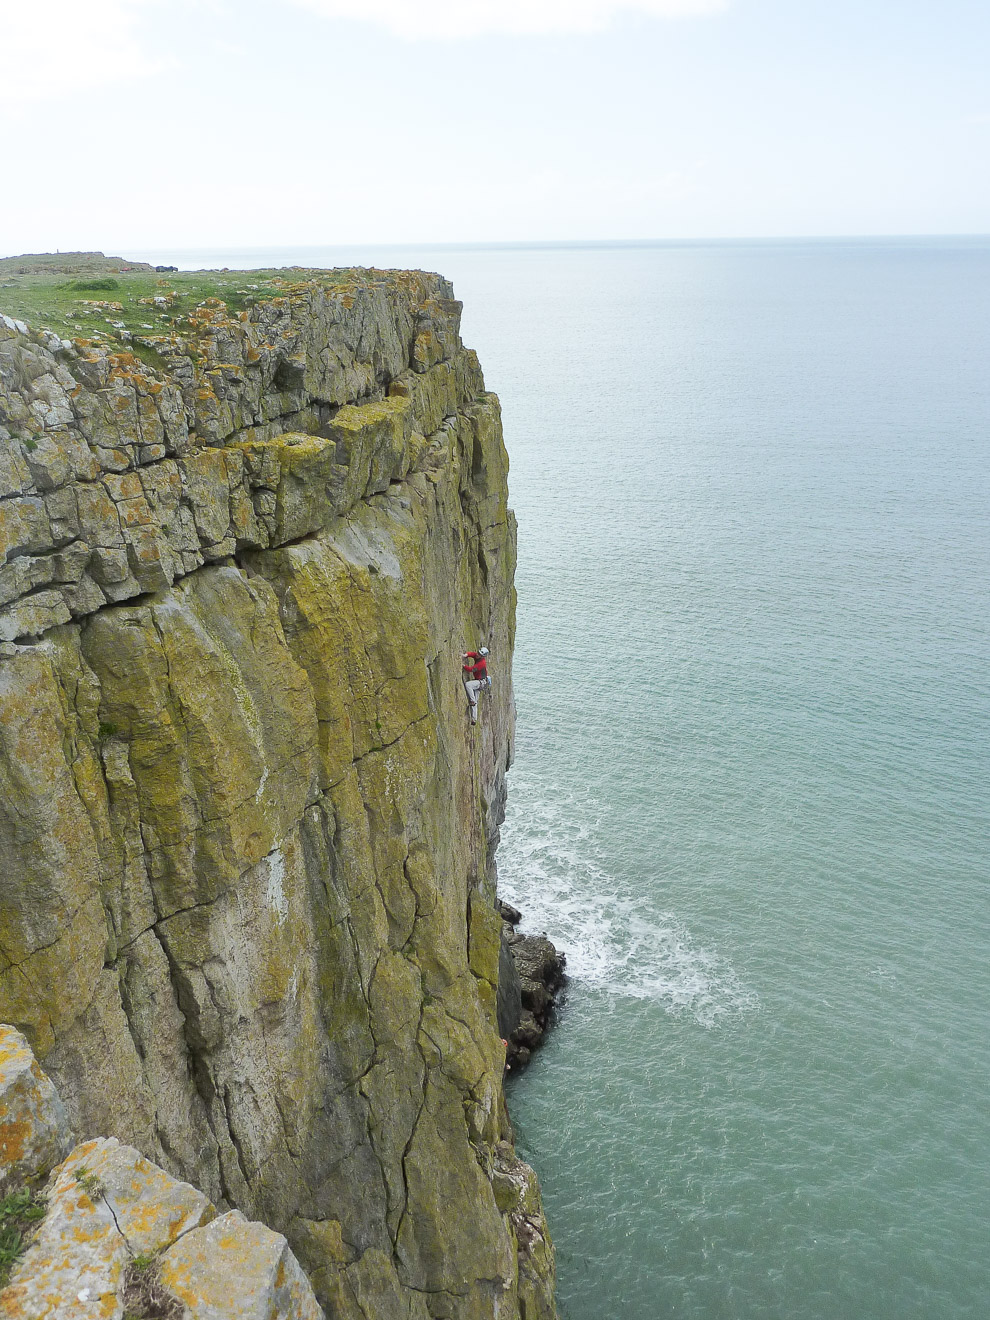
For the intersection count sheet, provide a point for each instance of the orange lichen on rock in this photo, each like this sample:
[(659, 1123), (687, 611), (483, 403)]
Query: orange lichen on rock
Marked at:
[(107, 1205), (74, 1265), (150, 1209), (238, 1269), (13, 1140), (34, 1130)]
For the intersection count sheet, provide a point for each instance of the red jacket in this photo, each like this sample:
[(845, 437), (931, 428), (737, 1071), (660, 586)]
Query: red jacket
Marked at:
[(476, 665)]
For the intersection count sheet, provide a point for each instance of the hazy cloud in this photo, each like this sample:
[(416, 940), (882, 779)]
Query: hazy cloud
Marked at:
[(50, 50), (56, 49), (473, 18)]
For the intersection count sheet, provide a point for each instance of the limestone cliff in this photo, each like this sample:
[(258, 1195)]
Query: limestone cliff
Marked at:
[(247, 833)]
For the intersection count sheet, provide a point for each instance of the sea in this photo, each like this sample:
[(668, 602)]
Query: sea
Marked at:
[(751, 795)]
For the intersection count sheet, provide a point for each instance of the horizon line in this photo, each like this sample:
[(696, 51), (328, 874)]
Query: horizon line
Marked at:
[(476, 244)]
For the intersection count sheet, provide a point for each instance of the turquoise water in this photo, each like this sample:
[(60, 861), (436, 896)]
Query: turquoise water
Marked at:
[(752, 796), (752, 790)]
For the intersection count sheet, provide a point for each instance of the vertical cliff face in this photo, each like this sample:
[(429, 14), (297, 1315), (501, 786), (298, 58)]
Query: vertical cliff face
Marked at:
[(247, 915)]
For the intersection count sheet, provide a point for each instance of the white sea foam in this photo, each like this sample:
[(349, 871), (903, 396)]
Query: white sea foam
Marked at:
[(551, 867)]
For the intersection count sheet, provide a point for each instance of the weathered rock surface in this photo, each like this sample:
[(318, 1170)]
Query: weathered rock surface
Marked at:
[(528, 987), (246, 832), (116, 479), (116, 1227), (34, 1128), (234, 1270)]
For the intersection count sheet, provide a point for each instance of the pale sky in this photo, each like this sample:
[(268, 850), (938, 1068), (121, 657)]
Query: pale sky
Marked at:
[(133, 123)]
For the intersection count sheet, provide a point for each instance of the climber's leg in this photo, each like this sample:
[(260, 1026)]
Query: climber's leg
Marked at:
[(472, 688)]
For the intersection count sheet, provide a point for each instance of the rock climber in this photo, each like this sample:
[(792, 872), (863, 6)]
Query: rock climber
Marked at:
[(474, 671)]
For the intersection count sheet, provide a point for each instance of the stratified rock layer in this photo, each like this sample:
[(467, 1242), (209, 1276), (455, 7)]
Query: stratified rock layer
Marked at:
[(246, 830)]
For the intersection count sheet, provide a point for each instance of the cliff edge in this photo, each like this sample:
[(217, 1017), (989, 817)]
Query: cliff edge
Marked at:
[(247, 833)]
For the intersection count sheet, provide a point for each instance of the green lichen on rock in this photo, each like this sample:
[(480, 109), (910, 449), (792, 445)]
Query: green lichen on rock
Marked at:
[(250, 929)]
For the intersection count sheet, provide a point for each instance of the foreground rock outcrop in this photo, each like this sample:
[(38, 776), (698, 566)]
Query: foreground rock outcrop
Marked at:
[(247, 834), (112, 1235)]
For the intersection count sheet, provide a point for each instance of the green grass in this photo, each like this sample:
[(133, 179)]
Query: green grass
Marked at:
[(48, 299), (149, 355), (94, 286), (20, 1210), (89, 1182)]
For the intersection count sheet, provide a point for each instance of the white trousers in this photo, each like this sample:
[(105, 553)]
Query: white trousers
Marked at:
[(472, 687)]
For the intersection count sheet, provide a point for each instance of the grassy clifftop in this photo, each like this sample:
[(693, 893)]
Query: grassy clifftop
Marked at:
[(109, 299)]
